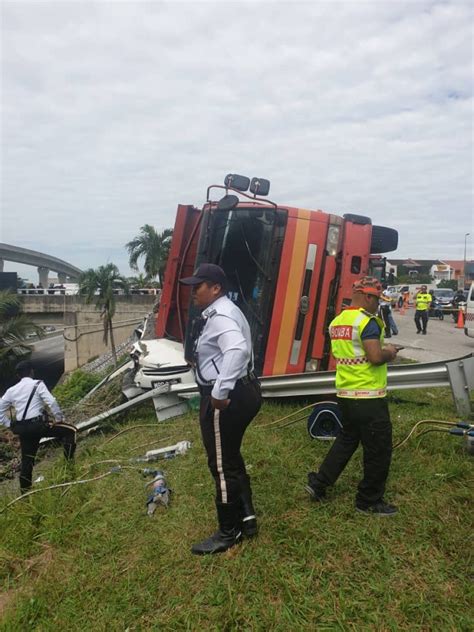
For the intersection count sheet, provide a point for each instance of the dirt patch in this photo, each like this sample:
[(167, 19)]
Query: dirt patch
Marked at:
[(35, 566)]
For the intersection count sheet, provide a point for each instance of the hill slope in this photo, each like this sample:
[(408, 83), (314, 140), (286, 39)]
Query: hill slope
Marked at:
[(90, 559)]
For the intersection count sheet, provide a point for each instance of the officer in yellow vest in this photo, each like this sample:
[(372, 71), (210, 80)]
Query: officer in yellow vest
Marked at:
[(423, 302), (361, 381)]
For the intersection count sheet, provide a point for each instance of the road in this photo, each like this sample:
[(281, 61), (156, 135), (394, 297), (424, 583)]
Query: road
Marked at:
[(442, 342), (48, 358)]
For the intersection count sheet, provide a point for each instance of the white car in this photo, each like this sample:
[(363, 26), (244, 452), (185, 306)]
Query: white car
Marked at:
[(160, 360)]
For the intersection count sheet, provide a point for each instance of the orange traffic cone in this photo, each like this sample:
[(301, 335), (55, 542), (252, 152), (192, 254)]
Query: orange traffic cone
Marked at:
[(460, 323)]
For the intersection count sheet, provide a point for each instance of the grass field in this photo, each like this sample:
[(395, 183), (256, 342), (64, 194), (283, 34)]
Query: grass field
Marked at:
[(90, 559)]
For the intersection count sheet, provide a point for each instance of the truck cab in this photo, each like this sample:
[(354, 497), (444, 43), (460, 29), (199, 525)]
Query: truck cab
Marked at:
[(290, 270)]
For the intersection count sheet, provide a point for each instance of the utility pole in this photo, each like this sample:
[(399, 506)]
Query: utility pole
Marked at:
[(464, 266)]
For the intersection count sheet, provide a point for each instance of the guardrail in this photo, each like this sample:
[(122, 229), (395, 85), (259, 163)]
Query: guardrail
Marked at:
[(458, 374)]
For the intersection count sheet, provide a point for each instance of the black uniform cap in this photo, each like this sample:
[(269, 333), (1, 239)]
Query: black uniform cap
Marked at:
[(206, 272)]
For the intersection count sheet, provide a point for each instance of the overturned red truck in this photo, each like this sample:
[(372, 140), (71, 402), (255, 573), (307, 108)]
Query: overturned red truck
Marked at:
[(290, 271)]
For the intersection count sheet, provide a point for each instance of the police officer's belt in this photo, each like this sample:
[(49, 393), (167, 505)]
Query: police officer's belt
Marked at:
[(206, 389)]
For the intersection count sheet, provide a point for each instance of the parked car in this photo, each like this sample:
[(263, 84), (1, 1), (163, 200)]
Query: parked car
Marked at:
[(445, 299)]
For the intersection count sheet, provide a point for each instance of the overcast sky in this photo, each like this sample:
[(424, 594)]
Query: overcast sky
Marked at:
[(112, 113)]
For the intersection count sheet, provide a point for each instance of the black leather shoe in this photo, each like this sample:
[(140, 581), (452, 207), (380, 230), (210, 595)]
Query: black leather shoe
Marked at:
[(228, 535), (313, 488), (378, 509), (217, 543), (316, 496), (249, 526)]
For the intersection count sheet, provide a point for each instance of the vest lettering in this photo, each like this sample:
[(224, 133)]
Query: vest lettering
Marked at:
[(341, 332)]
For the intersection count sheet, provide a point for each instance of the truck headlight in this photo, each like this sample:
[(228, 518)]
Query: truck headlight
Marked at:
[(332, 240)]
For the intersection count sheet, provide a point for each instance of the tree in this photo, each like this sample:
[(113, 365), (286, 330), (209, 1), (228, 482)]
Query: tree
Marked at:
[(139, 281), (452, 284), (415, 278), (154, 247), (14, 328), (98, 286)]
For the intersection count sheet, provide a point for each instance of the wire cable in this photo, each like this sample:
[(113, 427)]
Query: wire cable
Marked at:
[(419, 423), (70, 483), (128, 430), (276, 421), (431, 430)]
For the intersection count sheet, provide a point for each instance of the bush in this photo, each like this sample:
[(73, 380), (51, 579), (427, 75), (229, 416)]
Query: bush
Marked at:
[(75, 387)]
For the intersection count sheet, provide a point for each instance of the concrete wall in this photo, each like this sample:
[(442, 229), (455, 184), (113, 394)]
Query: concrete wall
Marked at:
[(83, 328), (46, 304)]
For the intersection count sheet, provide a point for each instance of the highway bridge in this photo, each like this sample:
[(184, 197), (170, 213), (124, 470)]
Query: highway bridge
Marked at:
[(43, 262)]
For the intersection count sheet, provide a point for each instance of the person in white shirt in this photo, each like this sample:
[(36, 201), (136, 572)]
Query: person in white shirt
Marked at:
[(29, 397), (230, 399)]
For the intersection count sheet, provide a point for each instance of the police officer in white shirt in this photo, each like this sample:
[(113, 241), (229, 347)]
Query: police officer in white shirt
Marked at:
[(29, 398), (230, 399)]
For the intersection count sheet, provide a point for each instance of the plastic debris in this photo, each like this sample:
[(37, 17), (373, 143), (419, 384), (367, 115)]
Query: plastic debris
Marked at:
[(164, 453), (39, 479), (160, 492)]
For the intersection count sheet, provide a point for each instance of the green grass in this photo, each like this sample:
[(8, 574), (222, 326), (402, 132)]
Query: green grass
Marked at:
[(91, 559)]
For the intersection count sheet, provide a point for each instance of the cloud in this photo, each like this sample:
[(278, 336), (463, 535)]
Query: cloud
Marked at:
[(113, 113)]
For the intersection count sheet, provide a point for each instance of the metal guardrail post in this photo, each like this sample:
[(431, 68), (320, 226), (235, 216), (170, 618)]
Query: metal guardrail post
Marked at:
[(461, 378)]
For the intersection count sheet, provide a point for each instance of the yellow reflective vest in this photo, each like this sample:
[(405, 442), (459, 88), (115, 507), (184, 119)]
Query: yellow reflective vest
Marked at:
[(423, 301), (356, 377)]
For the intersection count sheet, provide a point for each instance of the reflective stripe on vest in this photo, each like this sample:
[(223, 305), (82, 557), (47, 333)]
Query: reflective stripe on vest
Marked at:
[(356, 377), (352, 360), (361, 394)]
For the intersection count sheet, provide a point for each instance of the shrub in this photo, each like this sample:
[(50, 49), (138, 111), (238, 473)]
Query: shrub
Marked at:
[(75, 387)]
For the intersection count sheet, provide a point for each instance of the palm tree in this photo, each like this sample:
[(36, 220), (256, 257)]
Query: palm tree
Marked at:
[(14, 328), (140, 281), (154, 247), (98, 285)]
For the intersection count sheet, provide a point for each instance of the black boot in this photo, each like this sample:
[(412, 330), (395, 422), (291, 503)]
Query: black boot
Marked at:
[(247, 511), (229, 533)]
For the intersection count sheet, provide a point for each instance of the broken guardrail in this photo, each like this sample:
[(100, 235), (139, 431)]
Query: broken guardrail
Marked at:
[(457, 373)]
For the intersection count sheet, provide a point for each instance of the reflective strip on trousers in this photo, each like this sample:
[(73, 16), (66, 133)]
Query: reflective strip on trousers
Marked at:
[(361, 394), (217, 436)]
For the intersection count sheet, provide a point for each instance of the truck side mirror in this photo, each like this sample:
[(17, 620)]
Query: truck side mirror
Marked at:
[(241, 183), (227, 203), (259, 186)]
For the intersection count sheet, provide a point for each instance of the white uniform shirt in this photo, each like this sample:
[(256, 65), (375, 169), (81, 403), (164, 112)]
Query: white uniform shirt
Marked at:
[(17, 397), (224, 347)]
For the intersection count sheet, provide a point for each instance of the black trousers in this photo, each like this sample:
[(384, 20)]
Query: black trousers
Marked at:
[(421, 319), (365, 421), (30, 433), (222, 433)]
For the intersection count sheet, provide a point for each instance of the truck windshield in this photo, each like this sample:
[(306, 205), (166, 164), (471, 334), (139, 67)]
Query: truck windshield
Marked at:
[(247, 243)]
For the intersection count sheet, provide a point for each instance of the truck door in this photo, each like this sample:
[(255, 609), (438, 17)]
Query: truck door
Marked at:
[(174, 302)]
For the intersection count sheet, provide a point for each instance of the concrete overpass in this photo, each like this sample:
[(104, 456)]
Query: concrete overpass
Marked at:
[(81, 323), (43, 262)]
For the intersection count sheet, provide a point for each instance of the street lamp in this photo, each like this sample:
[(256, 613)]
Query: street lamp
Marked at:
[(464, 267)]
